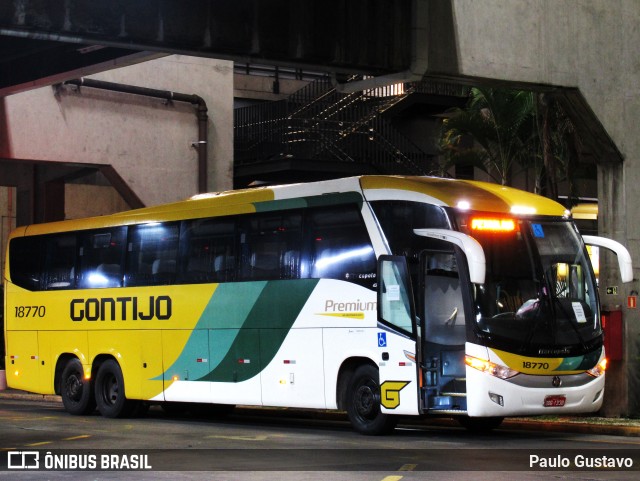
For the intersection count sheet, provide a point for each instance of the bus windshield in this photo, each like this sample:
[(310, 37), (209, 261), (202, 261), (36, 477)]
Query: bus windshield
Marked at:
[(540, 291), (539, 296)]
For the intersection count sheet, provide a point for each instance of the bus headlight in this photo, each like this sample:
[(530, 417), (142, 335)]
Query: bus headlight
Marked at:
[(599, 369), (502, 372)]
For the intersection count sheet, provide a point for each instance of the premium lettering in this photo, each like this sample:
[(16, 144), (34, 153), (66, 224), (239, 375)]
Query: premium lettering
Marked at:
[(332, 306), (121, 308)]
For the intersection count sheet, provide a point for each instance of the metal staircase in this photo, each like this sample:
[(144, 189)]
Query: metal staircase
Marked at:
[(319, 124)]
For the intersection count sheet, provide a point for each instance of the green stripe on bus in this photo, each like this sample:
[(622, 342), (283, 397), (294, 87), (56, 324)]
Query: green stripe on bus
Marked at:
[(226, 312), (241, 329), (230, 305), (580, 363), (311, 201), (264, 330)]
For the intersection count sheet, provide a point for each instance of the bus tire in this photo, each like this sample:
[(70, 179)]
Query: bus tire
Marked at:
[(480, 425), (363, 403), (109, 391), (75, 390)]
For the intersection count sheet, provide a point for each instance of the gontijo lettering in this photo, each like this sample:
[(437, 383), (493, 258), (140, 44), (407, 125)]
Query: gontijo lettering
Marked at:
[(121, 308)]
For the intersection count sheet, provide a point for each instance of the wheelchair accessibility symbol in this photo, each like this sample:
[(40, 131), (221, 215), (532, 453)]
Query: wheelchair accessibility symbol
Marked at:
[(382, 339)]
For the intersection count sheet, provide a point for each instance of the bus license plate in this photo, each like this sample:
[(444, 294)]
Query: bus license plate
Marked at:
[(554, 401)]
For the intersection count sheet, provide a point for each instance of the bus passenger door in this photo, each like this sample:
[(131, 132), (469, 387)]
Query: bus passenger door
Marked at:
[(442, 310), (396, 337)]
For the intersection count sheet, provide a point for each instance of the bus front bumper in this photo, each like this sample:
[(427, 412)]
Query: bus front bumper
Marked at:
[(526, 395)]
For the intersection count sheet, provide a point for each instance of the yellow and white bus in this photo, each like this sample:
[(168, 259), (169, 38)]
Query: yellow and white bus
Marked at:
[(378, 295)]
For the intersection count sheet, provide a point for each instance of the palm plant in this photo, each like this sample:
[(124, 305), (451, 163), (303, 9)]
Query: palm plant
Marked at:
[(501, 123), (500, 130)]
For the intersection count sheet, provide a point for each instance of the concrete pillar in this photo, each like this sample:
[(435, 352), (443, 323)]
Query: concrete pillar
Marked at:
[(591, 46)]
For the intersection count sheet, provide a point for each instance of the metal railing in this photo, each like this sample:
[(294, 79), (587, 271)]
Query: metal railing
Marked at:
[(317, 122)]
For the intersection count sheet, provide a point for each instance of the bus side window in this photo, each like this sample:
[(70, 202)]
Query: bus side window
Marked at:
[(152, 254), (341, 248), (271, 246), (101, 258), (26, 262), (399, 218), (59, 265), (207, 251)]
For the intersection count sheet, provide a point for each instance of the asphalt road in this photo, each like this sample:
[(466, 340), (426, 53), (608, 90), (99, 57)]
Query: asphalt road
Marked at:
[(283, 444)]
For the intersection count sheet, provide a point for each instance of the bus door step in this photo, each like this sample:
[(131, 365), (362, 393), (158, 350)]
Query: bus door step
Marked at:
[(449, 411), (444, 400)]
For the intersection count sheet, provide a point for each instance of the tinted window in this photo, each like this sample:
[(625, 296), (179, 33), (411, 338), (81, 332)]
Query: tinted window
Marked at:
[(208, 250), (398, 219), (341, 248), (59, 264), (320, 242), (152, 254), (270, 246), (101, 258), (25, 262)]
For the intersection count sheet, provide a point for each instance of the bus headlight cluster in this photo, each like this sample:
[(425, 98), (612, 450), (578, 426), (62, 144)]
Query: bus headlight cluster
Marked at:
[(502, 372), (599, 369)]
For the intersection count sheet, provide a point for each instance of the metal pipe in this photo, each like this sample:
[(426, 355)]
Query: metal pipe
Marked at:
[(170, 96)]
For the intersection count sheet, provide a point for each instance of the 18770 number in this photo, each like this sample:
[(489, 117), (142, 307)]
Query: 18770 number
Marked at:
[(535, 365), (30, 311)]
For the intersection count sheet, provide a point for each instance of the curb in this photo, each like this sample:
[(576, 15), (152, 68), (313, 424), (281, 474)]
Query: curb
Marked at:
[(21, 395), (508, 424), (573, 427), (534, 425)]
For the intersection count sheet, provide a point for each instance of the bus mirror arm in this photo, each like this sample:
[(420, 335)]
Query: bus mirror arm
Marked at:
[(624, 258), (471, 248)]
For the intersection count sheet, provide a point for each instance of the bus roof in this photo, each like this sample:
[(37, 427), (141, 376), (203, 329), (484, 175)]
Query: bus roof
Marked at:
[(470, 194), (482, 196)]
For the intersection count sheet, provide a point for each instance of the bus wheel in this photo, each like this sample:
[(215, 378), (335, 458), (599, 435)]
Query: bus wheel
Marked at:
[(363, 403), (480, 425), (75, 390), (109, 391)]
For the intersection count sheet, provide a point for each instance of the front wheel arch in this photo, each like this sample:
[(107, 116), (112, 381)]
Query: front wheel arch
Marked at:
[(363, 402), (347, 368)]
